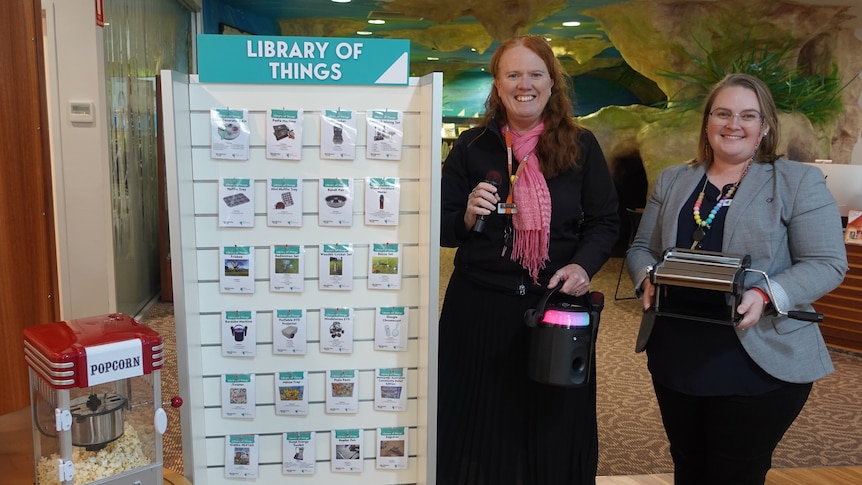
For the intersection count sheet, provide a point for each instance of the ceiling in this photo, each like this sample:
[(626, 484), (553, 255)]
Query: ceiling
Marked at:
[(453, 35), (458, 37)]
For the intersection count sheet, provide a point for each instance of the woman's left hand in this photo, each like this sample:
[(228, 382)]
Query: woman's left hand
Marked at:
[(751, 308), (575, 280)]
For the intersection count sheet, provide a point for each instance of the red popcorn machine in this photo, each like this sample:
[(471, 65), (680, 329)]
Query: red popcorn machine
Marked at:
[(95, 397)]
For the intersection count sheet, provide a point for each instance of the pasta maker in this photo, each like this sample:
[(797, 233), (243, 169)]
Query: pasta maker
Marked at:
[(717, 276)]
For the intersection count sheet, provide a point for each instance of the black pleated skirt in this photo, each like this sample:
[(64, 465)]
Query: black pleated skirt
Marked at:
[(495, 425)]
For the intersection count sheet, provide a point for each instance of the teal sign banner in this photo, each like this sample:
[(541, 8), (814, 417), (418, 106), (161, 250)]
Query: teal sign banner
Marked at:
[(302, 60)]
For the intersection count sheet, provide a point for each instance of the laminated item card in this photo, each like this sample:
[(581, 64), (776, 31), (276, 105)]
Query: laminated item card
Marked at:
[(338, 134), (336, 330), (236, 202), (291, 394), (385, 134), (238, 396), (284, 134), (238, 334), (335, 202), (286, 268), (390, 389), (229, 134), (342, 391), (382, 195), (289, 332), (335, 267), (284, 202), (392, 448), (390, 328), (241, 456), (346, 450), (384, 267), (237, 269), (299, 453)]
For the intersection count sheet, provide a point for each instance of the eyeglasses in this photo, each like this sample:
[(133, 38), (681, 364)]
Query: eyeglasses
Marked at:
[(747, 117)]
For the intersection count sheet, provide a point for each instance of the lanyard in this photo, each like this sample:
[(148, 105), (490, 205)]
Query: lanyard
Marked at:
[(513, 177)]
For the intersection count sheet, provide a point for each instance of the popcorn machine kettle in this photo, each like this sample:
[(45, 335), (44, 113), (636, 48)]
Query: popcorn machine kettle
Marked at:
[(95, 397)]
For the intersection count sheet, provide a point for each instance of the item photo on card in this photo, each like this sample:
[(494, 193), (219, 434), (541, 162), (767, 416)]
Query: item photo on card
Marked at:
[(282, 131), (235, 200), (289, 331), (230, 131), (335, 201)]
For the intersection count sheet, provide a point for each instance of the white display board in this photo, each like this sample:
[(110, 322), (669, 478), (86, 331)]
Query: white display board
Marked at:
[(196, 185)]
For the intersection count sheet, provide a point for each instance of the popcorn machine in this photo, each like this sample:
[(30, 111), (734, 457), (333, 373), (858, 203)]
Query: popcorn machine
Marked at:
[(95, 397)]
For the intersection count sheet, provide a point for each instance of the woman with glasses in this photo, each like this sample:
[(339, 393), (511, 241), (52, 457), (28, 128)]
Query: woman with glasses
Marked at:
[(728, 392)]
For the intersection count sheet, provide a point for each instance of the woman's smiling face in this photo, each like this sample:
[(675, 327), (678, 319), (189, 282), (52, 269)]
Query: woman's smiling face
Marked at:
[(524, 86), (735, 124)]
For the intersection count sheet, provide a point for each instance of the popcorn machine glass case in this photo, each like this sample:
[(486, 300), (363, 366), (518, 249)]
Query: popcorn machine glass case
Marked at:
[(95, 395)]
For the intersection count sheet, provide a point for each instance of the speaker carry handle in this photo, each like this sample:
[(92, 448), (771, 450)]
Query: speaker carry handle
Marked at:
[(595, 302)]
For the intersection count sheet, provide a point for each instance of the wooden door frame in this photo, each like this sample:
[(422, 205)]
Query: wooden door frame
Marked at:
[(29, 283)]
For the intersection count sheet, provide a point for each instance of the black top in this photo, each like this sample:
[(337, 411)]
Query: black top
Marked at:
[(696, 357), (496, 425), (584, 219)]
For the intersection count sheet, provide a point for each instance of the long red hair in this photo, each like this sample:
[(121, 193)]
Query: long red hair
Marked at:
[(558, 148)]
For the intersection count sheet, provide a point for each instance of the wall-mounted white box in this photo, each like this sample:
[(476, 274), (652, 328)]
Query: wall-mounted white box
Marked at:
[(81, 112)]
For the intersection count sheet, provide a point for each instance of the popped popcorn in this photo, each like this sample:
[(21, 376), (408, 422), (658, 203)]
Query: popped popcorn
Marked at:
[(120, 455)]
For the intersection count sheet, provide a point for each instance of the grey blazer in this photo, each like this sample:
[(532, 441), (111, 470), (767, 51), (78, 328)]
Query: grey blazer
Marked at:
[(785, 218)]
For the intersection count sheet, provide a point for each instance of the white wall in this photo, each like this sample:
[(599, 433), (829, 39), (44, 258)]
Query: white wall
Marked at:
[(75, 70)]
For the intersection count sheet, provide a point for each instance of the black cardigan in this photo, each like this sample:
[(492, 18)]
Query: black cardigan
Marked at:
[(584, 219)]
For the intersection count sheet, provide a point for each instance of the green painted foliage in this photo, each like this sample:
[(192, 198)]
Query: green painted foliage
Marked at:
[(815, 96)]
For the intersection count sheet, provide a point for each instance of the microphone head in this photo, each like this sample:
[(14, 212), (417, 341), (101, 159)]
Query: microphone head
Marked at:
[(494, 178)]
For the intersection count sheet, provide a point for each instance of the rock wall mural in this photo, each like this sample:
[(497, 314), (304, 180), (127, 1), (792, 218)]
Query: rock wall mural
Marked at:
[(659, 43), (660, 37)]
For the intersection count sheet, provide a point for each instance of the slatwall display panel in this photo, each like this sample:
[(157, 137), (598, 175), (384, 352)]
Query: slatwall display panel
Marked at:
[(270, 463), (208, 262), (199, 256), (407, 225), (206, 194), (363, 318), (271, 450), (265, 384), (363, 357), (359, 296), (265, 422), (311, 298)]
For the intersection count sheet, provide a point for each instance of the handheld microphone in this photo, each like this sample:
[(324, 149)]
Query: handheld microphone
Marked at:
[(494, 178)]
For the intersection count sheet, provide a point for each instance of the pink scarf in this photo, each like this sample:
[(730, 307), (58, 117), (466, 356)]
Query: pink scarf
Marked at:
[(532, 222)]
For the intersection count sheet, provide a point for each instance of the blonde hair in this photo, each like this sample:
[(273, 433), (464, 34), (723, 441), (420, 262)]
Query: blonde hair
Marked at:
[(766, 151)]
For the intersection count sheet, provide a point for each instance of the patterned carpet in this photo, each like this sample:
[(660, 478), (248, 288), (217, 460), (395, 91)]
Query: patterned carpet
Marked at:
[(160, 317), (828, 432), (631, 438)]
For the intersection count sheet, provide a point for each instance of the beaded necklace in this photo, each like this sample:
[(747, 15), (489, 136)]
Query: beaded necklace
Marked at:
[(704, 224)]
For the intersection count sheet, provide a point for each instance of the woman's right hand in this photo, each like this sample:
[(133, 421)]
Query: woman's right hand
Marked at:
[(648, 295), (482, 201)]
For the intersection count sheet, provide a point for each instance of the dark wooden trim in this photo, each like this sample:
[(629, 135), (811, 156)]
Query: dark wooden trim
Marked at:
[(29, 285), (842, 308)]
